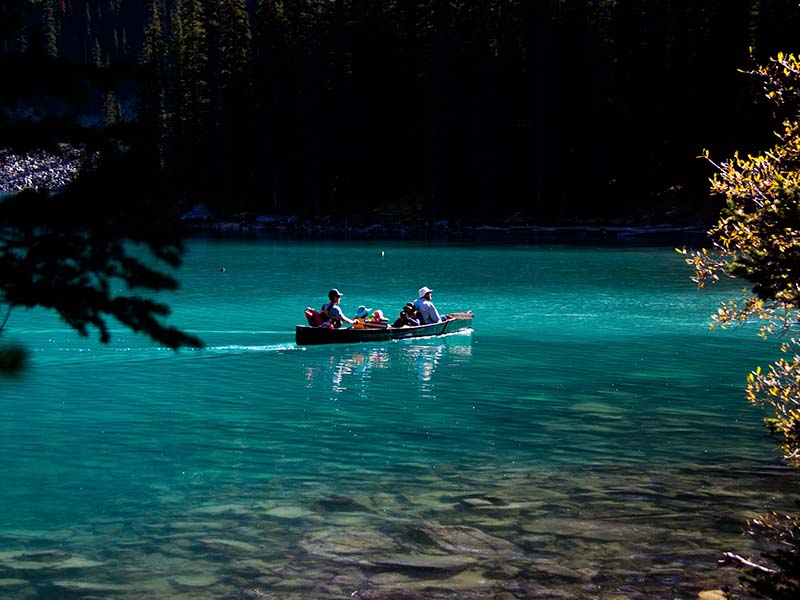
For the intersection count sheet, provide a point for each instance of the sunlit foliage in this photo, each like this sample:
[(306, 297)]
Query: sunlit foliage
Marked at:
[(757, 238)]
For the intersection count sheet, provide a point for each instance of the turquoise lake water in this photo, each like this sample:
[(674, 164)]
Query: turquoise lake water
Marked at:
[(590, 435)]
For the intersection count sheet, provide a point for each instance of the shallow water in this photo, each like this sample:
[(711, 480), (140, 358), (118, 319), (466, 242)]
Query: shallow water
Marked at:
[(588, 439)]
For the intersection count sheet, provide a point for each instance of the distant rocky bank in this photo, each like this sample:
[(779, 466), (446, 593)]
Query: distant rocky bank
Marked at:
[(199, 219), (54, 170), (39, 168)]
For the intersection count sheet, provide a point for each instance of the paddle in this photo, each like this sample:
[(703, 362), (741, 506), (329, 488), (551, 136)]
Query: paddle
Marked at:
[(460, 315)]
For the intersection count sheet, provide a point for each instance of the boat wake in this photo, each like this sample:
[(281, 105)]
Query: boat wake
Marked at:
[(202, 332), (129, 354), (460, 333), (238, 348)]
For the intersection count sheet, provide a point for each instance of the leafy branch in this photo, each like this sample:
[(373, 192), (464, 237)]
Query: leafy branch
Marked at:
[(757, 238)]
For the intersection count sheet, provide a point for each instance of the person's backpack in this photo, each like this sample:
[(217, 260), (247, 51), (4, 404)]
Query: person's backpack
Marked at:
[(319, 318), (314, 317)]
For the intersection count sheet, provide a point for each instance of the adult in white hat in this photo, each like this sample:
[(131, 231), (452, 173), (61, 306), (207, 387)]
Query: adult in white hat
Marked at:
[(425, 308)]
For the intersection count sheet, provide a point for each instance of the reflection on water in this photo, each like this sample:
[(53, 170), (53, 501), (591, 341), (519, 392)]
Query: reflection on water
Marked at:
[(347, 368), (335, 371)]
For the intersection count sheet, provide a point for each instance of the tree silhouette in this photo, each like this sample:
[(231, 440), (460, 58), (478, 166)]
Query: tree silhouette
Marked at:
[(87, 250)]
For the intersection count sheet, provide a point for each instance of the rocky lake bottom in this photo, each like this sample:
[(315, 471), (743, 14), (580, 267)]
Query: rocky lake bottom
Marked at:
[(601, 532)]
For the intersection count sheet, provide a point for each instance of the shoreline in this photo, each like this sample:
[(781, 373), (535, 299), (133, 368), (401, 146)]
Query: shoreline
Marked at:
[(55, 170), (293, 228)]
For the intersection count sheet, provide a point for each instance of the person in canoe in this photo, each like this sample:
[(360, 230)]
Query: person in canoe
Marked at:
[(407, 317), (334, 313), (425, 308)]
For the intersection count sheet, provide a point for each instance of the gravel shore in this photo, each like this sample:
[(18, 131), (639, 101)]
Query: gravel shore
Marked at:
[(39, 168), (202, 221)]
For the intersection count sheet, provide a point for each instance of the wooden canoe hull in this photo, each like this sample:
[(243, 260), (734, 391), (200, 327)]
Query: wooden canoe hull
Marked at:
[(310, 336)]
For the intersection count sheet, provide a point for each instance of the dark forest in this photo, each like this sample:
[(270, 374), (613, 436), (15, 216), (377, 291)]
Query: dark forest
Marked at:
[(487, 111)]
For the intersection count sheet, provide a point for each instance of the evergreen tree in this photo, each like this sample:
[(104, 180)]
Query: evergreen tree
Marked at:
[(236, 39), (88, 47), (271, 90), (191, 100), (153, 99), (12, 30), (236, 101), (112, 110), (441, 104), (97, 53), (194, 62), (50, 23)]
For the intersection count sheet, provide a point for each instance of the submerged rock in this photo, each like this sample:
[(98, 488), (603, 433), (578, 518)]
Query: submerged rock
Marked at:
[(78, 562), (551, 572), (468, 540), (712, 595), (349, 545), (423, 562), (343, 503), (45, 561), (484, 501), (233, 509), (194, 580), (218, 543), (589, 529), (391, 595), (288, 512), (95, 586)]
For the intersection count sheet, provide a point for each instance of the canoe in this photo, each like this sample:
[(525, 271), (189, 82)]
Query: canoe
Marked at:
[(309, 336)]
